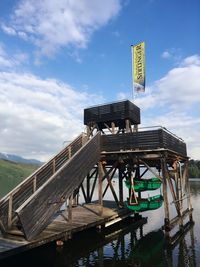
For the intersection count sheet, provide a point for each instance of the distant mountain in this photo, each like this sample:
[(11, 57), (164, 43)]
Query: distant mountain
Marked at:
[(19, 159)]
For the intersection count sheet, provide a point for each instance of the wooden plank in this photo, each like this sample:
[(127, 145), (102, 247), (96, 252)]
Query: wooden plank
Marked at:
[(174, 222), (151, 139), (83, 218), (36, 213)]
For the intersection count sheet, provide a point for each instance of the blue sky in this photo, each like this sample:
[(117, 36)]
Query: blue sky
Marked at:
[(57, 57)]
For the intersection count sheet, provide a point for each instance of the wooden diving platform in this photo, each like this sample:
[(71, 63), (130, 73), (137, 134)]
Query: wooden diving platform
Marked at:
[(113, 146), (84, 217)]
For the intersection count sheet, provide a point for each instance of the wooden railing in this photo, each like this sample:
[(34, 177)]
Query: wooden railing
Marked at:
[(31, 184), (40, 208), (144, 140)]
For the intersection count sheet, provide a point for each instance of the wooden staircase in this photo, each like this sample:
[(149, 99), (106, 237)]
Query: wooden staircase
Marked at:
[(31, 205)]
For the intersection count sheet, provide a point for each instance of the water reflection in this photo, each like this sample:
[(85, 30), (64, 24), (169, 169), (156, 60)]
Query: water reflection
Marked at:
[(128, 247), (120, 246), (124, 245)]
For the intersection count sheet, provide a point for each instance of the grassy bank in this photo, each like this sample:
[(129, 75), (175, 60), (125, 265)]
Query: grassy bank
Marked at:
[(12, 173)]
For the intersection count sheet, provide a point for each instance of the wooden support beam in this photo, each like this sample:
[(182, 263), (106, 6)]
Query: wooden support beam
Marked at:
[(165, 196), (113, 127), (178, 219), (151, 170), (111, 186), (70, 209), (93, 186), (176, 178), (137, 176), (182, 185), (135, 128), (125, 175), (186, 175), (132, 194), (109, 171), (121, 197), (108, 127), (83, 191), (110, 177), (88, 188), (127, 123), (144, 172), (176, 237), (175, 199), (100, 172)]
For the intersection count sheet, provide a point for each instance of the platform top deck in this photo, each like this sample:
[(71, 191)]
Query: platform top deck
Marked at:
[(145, 140)]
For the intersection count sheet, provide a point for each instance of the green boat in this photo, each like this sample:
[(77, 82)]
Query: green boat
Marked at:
[(145, 184), (145, 204)]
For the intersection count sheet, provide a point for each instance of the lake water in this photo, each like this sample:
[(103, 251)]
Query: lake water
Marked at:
[(122, 245)]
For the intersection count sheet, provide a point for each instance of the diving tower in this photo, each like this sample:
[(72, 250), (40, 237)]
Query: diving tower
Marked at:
[(114, 145)]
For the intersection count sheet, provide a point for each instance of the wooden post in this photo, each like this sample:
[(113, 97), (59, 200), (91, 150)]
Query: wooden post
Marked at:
[(113, 127), (54, 166), (100, 172), (100, 256), (34, 183), (176, 176), (121, 197), (188, 190), (10, 202), (166, 203), (94, 184), (137, 175), (70, 151), (127, 122), (88, 131), (135, 128), (181, 188), (88, 188), (70, 209), (175, 200)]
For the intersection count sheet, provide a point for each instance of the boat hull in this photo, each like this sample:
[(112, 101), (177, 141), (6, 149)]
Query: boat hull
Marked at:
[(143, 204), (145, 184)]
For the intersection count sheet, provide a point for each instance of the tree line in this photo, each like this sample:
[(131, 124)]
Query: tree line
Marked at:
[(194, 168)]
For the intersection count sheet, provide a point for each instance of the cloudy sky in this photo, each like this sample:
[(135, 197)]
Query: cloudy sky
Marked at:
[(59, 56)]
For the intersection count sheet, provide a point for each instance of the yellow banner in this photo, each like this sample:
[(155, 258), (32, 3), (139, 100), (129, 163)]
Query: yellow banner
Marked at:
[(138, 53)]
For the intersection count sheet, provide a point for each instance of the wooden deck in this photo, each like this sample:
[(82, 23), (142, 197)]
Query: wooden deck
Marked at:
[(84, 217)]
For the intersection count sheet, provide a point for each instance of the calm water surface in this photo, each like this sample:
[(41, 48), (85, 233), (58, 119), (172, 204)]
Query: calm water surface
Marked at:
[(122, 246)]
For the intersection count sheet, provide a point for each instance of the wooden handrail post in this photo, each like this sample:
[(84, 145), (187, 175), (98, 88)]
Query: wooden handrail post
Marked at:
[(34, 183), (54, 166), (70, 151), (10, 209)]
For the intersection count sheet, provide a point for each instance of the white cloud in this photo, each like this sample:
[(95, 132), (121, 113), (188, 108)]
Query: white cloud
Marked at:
[(173, 102), (166, 54), (193, 60), (51, 25), (172, 54), (122, 96), (8, 30), (8, 62), (37, 116), (179, 88)]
